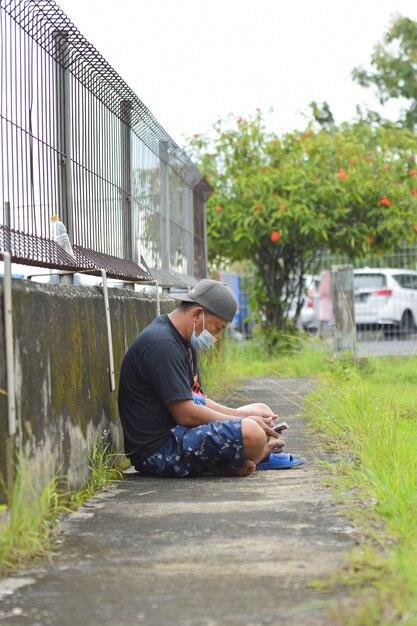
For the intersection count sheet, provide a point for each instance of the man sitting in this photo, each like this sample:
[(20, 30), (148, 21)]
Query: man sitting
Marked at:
[(170, 428)]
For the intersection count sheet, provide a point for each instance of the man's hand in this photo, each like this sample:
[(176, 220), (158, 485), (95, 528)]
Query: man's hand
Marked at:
[(258, 408), (263, 423)]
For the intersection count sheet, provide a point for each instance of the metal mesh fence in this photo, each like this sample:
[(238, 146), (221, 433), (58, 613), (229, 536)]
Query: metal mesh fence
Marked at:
[(77, 141), (384, 301)]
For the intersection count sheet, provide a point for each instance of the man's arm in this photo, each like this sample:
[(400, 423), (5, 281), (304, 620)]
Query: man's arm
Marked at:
[(248, 410), (187, 413), (215, 406)]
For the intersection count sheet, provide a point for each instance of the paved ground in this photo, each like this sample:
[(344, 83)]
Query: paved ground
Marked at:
[(379, 346), (209, 552)]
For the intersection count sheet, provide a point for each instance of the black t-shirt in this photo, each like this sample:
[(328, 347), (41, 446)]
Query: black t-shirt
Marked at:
[(159, 368)]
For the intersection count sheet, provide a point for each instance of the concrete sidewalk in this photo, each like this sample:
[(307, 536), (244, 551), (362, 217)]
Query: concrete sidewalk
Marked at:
[(210, 551)]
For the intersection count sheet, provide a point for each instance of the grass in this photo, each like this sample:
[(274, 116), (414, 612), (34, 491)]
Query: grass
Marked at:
[(222, 369), (28, 522), (367, 413), (104, 467), (371, 420)]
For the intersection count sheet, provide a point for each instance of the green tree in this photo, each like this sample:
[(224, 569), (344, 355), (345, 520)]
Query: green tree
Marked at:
[(322, 115), (279, 200), (394, 69)]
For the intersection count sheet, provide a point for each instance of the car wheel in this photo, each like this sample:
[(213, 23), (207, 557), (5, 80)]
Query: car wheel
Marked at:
[(406, 325)]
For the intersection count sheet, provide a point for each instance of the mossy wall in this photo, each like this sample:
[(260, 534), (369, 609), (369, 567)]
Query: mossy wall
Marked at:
[(63, 396)]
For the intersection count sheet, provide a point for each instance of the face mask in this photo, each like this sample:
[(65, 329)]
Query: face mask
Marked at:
[(204, 341)]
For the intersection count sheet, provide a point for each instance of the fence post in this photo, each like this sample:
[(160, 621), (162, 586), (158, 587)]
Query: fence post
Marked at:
[(343, 308), (63, 117), (188, 203), (205, 237), (126, 120), (7, 222), (165, 226), (8, 323), (200, 195), (129, 249)]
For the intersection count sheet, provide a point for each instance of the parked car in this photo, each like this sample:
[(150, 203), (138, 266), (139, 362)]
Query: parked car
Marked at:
[(385, 298)]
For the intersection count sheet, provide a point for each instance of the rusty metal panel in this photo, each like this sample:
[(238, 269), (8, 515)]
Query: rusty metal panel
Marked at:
[(43, 252), (166, 278), (122, 269), (38, 251)]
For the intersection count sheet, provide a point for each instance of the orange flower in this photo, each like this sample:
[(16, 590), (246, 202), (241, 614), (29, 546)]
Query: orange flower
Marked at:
[(341, 174), (275, 236), (415, 228), (218, 209), (384, 201), (282, 206), (258, 206), (413, 192), (412, 172), (371, 240)]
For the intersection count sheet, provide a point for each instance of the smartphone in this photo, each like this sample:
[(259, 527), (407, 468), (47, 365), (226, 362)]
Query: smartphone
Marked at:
[(280, 427)]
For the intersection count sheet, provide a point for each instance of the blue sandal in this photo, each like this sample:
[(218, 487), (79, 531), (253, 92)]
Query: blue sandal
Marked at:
[(280, 461)]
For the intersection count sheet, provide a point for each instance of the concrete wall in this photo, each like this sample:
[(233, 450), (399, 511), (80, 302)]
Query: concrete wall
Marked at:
[(62, 372)]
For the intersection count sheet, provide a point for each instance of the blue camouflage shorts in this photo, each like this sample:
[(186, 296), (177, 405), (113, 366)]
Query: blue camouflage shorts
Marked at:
[(214, 448)]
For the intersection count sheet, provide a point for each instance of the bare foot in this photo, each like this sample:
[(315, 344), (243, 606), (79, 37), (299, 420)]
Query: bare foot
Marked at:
[(248, 469)]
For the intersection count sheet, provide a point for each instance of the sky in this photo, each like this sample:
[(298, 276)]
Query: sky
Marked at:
[(195, 61)]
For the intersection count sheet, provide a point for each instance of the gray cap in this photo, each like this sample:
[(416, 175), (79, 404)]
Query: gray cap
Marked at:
[(214, 296)]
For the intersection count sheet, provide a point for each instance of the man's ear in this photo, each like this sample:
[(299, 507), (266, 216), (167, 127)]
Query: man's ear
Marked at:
[(197, 313)]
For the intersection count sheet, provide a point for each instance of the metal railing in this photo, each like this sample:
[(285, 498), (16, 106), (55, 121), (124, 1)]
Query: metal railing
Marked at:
[(384, 307), (77, 141)]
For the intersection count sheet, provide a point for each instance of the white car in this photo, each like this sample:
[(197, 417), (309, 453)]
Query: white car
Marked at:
[(385, 298)]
